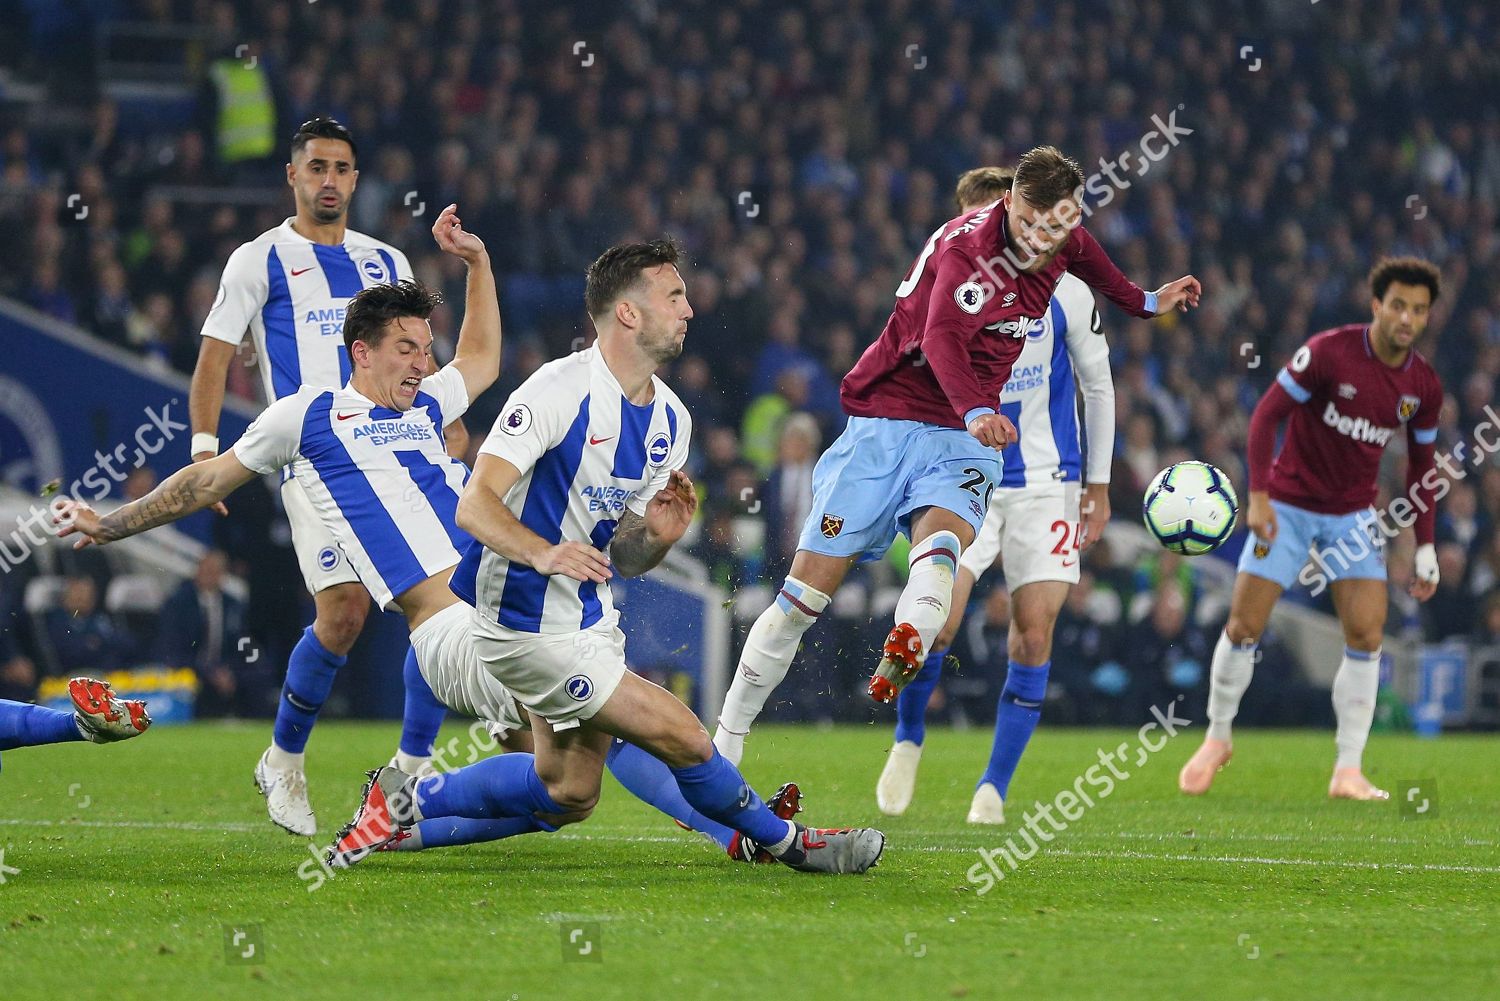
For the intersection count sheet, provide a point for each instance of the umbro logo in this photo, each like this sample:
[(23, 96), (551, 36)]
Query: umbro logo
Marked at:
[(1010, 297), (1347, 390)]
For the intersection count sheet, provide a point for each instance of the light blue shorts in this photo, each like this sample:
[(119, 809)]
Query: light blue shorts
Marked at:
[(1341, 547), (880, 471)]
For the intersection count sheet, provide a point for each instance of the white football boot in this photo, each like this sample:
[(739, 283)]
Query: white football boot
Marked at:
[(987, 807), (285, 791), (899, 779)]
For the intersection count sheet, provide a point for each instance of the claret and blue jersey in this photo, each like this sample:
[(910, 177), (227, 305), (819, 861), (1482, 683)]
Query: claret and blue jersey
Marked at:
[(586, 455)]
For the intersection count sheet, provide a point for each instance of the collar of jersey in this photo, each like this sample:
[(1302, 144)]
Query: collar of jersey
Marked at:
[(1370, 350), (598, 362), (377, 412)]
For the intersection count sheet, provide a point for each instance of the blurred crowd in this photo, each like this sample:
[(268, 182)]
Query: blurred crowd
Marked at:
[(802, 152)]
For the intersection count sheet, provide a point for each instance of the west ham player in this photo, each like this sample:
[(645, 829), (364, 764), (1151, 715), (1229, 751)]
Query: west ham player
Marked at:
[(1036, 521), (587, 457), (290, 287), (1346, 392), (918, 455), (98, 716)]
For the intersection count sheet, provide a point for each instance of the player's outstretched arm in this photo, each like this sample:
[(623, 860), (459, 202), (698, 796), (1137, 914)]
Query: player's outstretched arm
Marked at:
[(483, 514), (190, 489), (641, 542), (206, 398), (477, 356), (1181, 294)]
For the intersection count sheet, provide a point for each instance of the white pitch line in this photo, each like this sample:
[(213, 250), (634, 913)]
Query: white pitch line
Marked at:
[(236, 827), (1289, 838)]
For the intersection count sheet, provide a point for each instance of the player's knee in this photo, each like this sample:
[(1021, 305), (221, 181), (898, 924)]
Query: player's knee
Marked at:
[(1240, 631), (1365, 639), (1031, 644), (573, 796), (340, 617)]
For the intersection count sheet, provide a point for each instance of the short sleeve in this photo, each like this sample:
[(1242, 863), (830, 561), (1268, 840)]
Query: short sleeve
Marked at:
[(1423, 427), (242, 293), (447, 387), (1305, 372), (528, 426), (676, 459), (273, 440), (403, 266)]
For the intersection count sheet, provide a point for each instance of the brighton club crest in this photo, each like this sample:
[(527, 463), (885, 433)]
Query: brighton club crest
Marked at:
[(832, 525)]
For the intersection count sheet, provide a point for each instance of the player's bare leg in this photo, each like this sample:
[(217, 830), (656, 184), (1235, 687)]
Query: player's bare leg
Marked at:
[(898, 781), (280, 774), (1229, 676), (938, 537), (773, 643), (1034, 609), (1361, 606)]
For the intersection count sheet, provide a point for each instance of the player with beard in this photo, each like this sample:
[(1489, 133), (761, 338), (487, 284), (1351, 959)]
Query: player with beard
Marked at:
[(289, 287)]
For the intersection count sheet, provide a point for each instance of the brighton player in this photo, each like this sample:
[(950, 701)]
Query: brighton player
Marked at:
[(371, 459), (581, 478), (1037, 522), (1346, 392), (918, 455), (98, 716), (290, 287)]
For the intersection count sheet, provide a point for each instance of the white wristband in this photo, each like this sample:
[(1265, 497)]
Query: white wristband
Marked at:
[(204, 442)]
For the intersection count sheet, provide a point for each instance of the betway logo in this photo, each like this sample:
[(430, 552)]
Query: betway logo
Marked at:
[(1358, 428)]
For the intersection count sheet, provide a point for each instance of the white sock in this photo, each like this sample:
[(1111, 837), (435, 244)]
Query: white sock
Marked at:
[(768, 653), (285, 761), (780, 847), (1229, 676), (929, 590), (411, 764), (1354, 689)]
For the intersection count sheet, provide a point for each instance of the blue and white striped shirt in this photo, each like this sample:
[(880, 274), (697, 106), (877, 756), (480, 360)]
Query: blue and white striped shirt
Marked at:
[(586, 455)]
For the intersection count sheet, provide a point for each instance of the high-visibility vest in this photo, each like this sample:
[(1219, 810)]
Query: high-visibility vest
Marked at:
[(247, 112)]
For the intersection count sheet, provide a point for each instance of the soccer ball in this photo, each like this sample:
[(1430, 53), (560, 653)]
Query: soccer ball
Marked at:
[(1191, 508)]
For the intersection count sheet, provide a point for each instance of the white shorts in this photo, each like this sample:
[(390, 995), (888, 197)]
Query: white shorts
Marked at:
[(444, 646), (1034, 530), (319, 555), (565, 678)]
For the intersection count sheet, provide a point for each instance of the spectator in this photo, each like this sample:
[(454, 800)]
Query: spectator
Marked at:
[(786, 498), (84, 638), (202, 627), (1449, 612)]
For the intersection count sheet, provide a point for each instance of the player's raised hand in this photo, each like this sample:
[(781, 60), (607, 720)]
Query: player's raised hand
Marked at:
[(994, 430), (77, 518), (1424, 581), (670, 512), (453, 239), (1093, 512), (1261, 516), (577, 560), (1181, 294)]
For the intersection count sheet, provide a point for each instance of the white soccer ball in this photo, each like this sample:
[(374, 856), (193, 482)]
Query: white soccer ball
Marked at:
[(1191, 508)]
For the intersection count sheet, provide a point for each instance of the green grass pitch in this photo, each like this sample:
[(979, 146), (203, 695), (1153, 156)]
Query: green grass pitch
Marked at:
[(127, 870)]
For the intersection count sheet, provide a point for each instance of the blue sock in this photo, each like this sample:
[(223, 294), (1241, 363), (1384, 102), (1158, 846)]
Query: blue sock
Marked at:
[(718, 790), (653, 782), (423, 715), (1020, 709), (446, 832), (911, 704), (309, 677), (26, 725), (505, 785)]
